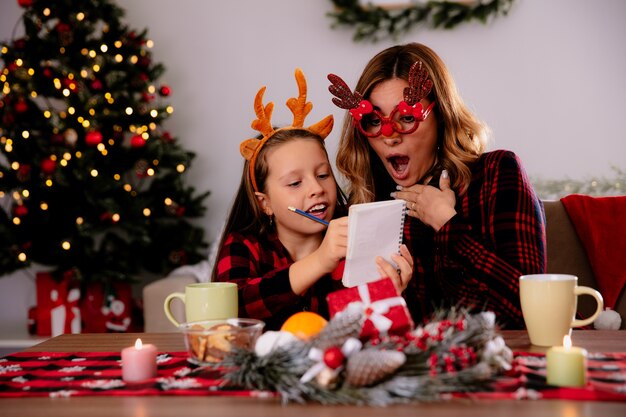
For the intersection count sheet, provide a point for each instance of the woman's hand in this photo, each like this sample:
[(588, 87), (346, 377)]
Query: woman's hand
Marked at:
[(433, 206), (403, 274)]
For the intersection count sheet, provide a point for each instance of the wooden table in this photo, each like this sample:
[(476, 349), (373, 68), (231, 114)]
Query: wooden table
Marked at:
[(592, 340)]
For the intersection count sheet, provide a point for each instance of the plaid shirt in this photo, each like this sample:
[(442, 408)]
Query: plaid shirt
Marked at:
[(475, 260), (260, 267)]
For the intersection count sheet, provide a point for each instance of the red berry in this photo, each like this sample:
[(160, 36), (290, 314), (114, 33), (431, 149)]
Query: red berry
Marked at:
[(333, 357)]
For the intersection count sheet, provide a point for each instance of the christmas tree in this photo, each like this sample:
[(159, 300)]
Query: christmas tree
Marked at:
[(90, 181)]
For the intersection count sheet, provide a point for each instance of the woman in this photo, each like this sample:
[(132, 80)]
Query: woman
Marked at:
[(474, 223)]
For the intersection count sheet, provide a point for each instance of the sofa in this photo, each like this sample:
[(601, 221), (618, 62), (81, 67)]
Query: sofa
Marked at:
[(565, 253)]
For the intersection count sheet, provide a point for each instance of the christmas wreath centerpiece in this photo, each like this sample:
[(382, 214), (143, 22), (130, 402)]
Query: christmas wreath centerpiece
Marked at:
[(454, 352), (373, 22)]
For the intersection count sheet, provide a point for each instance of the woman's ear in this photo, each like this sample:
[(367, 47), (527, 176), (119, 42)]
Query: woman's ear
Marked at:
[(264, 203)]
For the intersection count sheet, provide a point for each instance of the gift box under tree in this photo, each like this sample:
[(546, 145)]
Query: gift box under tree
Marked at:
[(385, 310), (58, 309)]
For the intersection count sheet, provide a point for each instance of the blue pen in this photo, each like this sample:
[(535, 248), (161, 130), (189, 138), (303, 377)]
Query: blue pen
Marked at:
[(305, 214)]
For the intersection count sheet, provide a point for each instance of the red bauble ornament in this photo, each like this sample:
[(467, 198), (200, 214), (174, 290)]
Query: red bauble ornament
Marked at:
[(333, 357), (72, 85), (20, 211), (144, 62), (93, 138), (137, 141), (47, 72), (25, 3), (165, 91), (23, 173), (21, 106), (63, 27), (96, 85), (167, 137), (19, 43), (48, 166)]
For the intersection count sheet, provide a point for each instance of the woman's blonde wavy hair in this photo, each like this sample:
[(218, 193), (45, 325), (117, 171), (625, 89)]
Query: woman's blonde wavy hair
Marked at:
[(462, 138)]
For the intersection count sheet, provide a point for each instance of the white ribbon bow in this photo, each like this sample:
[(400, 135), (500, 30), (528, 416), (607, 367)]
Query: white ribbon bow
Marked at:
[(375, 311)]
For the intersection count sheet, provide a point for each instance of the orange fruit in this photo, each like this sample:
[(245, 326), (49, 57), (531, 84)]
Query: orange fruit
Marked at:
[(304, 324)]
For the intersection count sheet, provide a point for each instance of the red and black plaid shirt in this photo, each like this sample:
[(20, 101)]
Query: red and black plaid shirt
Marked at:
[(260, 267), (475, 260)]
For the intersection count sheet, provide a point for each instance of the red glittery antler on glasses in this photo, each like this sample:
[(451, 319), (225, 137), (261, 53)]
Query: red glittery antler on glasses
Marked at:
[(344, 98), (419, 84)]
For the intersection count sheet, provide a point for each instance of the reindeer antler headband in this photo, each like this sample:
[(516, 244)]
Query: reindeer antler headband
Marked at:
[(419, 87), (300, 108)]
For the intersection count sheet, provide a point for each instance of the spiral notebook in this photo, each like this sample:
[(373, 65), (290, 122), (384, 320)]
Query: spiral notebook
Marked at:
[(374, 229)]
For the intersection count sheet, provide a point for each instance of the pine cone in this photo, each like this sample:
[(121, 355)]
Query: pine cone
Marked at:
[(371, 365), (339, 329)]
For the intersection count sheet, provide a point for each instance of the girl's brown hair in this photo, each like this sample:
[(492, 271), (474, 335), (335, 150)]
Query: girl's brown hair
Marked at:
[(461, 137)]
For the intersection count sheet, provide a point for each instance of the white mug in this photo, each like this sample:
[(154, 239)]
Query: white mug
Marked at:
[(549, 306)]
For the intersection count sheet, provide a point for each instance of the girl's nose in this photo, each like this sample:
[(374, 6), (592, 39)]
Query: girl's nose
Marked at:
[(316, 188)]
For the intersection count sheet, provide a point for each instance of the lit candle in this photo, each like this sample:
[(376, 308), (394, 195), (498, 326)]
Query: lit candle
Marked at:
[(566, 365), (139, 362)]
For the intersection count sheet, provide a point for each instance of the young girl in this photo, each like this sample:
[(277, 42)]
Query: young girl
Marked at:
[(281, 261)]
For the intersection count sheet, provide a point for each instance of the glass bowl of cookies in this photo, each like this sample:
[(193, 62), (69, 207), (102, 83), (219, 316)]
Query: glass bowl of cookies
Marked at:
[(210, 341)]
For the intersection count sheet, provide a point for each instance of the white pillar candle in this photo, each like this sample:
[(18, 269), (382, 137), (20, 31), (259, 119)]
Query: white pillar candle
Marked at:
[(139, 362), (566, 365)]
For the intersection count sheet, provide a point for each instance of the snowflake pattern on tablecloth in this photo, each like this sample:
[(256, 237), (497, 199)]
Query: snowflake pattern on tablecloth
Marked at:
[(163, 358), (72, 369), (10, 368), (62, 394), (183, 371), (527, 394), (182, 383), (103, 384)]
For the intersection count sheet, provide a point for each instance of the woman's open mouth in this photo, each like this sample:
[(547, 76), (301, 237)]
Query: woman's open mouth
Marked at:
[(399, 166)]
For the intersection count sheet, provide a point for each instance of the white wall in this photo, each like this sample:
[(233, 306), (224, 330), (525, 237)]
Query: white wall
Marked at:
[(549, 78)]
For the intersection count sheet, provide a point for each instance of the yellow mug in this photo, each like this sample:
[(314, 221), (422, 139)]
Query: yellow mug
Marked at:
[(549, 306), (205, 301)]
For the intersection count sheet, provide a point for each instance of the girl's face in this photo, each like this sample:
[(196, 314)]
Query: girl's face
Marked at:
[(300, 176), (406, 157)]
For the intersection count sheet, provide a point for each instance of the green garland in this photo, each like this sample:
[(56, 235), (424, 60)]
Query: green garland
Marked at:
[(375, 23), (454, 352), (596, 186)]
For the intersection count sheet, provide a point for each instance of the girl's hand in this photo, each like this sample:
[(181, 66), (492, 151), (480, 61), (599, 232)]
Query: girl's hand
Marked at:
[(335, 244), (433, 206), (402, 276)]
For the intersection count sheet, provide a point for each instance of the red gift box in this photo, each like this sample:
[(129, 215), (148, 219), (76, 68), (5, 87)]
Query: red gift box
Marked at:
[(57, 310), (385, 311)]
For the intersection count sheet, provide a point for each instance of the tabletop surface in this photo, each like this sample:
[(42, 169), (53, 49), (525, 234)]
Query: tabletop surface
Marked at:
[(141, 406)]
